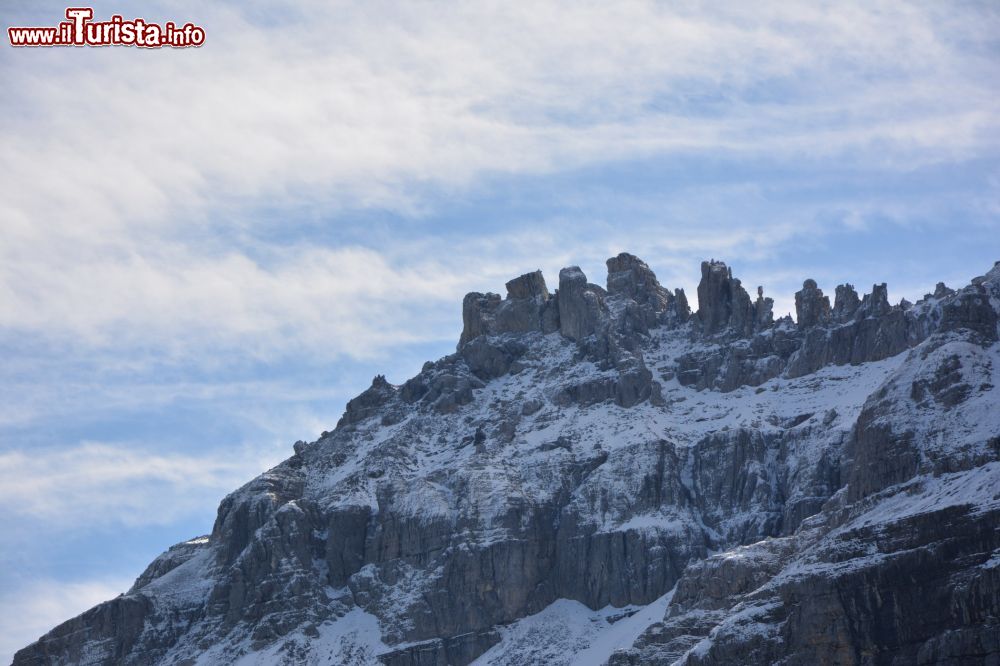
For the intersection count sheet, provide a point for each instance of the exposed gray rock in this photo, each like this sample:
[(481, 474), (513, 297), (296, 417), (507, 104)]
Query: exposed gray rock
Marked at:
[(723, 303), (751, 362), (491, 358), (106, 634), (876, 304), (582, 311), (442, 652), (848, 608), (853, 332), (763, 311), (629, 277), (379, 394), (969, 309), (941, 291), (681, 307), (846, 303), (527, 308), (530, 286), (175, 556), (521, 311), (811, 306), (478, 314), (542, 461)]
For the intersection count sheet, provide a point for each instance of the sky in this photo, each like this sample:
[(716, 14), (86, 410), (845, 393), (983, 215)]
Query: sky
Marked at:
[(204, 253)]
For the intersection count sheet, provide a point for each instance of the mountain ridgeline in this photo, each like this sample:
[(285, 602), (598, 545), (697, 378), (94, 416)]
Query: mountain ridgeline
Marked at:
[(600, 475)]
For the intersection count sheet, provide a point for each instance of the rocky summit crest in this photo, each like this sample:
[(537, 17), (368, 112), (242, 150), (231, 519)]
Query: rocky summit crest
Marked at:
[(600, 475)]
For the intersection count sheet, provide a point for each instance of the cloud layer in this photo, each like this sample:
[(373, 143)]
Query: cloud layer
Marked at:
[(134, 178), (99, 485)]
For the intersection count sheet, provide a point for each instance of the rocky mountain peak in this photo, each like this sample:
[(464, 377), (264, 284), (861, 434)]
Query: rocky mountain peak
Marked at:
[(595, 476), (368, 403), (528, 286), (724, 307), (876, 304), (582, 307), (811, 306), (940, 291), (631, 277), (846, 303)]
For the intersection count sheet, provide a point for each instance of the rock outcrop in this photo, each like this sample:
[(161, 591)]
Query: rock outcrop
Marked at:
[(582, 310), (846, 303), (811, 306), (745, 347), (743, 490), (723, 304), (527, 308), (630, 278)]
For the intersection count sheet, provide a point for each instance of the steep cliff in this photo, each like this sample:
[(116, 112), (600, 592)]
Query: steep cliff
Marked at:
[(601, 475)]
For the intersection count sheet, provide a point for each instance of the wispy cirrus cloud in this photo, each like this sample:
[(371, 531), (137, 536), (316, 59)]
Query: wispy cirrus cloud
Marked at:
[(128, 209), (99, 485), (320, 299)]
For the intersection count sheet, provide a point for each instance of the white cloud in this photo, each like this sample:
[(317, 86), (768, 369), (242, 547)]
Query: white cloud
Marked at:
[(95, 484), (129, 173), (319, 298), (35, 608)]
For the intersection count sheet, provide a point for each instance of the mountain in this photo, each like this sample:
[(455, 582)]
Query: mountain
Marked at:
[(600, 475)]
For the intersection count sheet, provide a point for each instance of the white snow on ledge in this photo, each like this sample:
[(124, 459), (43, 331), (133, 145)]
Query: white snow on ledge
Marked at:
[(568, 633), (351, 640)]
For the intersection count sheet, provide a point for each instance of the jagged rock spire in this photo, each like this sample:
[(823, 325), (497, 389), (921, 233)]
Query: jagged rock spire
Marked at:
[(630, 277), (581, 304), (811, 306), (763, 310), (724, 305), (846, 302), (528, 307), (578, 309), (527, 286), (607, 321)]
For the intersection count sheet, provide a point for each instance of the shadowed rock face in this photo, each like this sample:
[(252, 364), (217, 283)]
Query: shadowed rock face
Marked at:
[(525, 309), (648, 304), (582, 310), (478, 315), (811, 306), (846, 303), (630, 276), (569, 450), (852, 332), (723, 303)]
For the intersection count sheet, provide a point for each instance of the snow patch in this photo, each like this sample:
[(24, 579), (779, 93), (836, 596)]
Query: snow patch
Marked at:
[(568, 633)]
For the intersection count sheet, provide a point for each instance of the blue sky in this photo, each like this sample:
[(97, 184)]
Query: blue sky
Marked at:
[(205, 253)]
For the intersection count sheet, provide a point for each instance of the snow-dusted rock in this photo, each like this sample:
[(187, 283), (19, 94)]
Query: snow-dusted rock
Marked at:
[(723, 304), (582, 310), (596, 477), (811, 306)]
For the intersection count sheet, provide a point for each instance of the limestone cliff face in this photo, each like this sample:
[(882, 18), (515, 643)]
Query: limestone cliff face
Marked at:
[(602, 473)]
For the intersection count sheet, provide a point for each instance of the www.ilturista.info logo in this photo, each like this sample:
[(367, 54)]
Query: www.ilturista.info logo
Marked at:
[(80, 30)]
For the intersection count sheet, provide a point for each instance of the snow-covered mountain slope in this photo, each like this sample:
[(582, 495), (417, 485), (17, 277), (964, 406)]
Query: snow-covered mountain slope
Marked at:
[(602, 476)]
